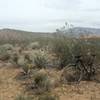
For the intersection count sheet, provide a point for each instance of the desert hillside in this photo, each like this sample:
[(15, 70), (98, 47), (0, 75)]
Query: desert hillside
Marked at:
[(7, 35)]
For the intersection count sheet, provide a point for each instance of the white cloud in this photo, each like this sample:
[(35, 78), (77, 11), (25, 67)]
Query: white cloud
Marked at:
[(47, 15)]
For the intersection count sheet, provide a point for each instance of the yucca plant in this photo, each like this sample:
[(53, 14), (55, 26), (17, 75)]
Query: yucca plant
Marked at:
[(40, 60)]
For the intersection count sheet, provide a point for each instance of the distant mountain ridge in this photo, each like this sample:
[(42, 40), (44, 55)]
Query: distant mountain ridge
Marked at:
[(86, 30), (19, 35)]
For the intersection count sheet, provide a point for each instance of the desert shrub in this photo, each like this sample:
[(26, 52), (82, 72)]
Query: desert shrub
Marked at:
[(40, 60), (62, 47), (22, 97), (25, 65), (34, 45), (48, 97), (20, 62), (7, 46), (28, 58), (25, 68), (86, 47), (87, 51), (41, 82), (14, 58), (4, 54), (69, 75)]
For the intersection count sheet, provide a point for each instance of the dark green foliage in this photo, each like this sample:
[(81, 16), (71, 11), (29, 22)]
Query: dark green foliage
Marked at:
[(62, 47)]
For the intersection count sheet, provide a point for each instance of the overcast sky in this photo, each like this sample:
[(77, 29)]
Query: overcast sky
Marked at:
[(47, 15)]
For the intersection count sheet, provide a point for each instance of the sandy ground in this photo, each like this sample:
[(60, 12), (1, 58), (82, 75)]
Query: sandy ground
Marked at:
[(9, 86), (83, 91)]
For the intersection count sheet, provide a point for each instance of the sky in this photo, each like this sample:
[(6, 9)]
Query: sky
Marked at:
[(48, 15)]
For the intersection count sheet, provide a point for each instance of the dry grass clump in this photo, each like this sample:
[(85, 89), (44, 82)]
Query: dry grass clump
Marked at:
[(54, 77), (48, 97), (22, 97), (41, 82), (34, 45), (69, 75)]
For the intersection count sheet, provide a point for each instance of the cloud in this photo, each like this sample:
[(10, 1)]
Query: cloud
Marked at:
[(62, 4), (47, 15)]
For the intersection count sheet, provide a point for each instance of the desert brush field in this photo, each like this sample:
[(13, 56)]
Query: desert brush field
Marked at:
[(55, 67)]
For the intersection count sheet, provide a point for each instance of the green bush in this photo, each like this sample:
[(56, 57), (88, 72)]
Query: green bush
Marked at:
[(62, 47), (87, 50)]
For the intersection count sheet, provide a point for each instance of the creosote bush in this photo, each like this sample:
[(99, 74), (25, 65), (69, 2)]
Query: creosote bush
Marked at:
[(62, 47), (87, 50)]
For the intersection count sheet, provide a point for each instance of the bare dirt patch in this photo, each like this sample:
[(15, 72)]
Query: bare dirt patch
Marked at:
[(83, 91), (9, 86)]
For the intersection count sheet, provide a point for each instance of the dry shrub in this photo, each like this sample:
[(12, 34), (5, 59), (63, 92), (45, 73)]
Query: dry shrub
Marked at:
[(40, 60), (22, 97), (48, 97), (4, 54), (26, 69), (14, 58), (69, 74), (34, 45), (54, 77), (7, 46), (41, 82)]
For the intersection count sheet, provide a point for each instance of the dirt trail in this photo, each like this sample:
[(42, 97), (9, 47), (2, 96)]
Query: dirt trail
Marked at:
[(9, 86)]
